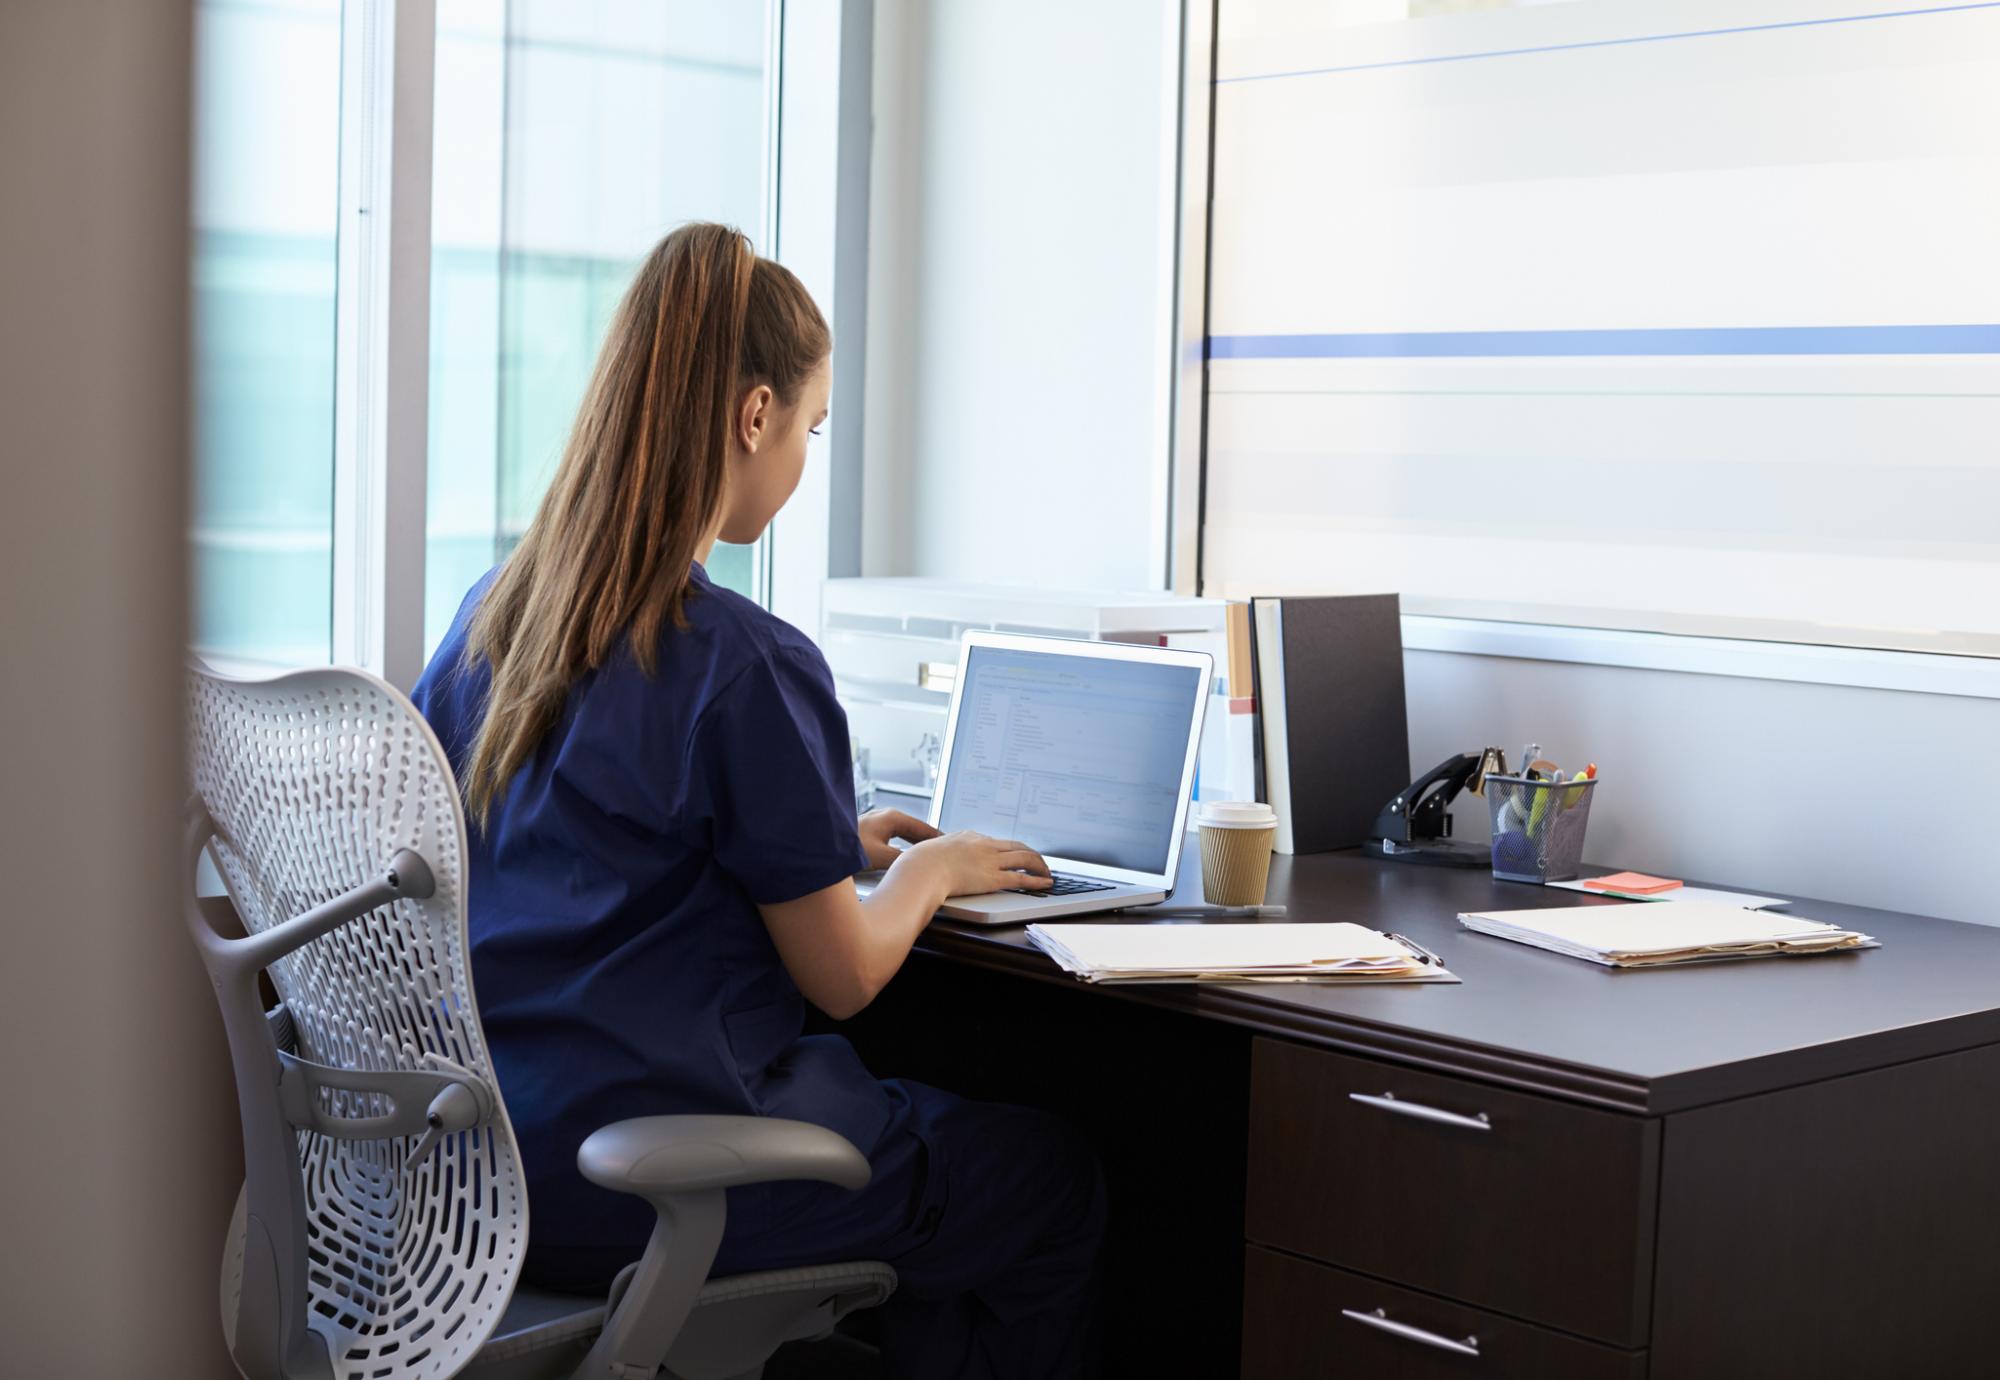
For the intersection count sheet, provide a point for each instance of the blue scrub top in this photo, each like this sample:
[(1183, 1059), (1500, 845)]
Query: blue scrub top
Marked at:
[(620, 963)]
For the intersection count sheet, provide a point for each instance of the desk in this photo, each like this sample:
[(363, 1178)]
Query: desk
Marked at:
[(1764, 1169)]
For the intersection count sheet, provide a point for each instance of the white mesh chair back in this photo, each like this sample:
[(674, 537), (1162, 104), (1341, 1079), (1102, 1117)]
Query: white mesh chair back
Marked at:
[(312, 783)]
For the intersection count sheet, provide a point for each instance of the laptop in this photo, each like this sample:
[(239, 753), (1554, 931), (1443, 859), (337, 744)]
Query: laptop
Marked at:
[(1084, 751)]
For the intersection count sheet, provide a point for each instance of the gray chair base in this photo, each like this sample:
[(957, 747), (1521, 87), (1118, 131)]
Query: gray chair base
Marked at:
[(736, 1323)]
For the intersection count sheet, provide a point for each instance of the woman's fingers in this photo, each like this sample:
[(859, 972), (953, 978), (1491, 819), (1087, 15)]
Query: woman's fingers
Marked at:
[(1021, 858), (1008, 864), (909, 827)]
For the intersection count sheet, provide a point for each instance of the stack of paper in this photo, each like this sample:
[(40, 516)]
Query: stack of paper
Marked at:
[(1642, 935), (1233, 953)]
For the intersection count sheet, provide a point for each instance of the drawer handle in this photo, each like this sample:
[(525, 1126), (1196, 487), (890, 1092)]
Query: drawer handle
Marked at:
[(1389, 1102), (1382, 1322)]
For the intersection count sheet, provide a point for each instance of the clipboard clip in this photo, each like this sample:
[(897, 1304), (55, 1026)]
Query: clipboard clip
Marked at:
[(1423, 955)]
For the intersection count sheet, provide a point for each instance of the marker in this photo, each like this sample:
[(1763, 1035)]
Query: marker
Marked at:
[(1572, 796), (1539, 809)]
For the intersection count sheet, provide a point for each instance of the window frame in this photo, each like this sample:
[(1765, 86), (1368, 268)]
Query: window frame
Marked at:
[(382, 356), (803, 164)]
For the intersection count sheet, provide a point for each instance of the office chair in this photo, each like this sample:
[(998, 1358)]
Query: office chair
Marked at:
[(383, 1219)]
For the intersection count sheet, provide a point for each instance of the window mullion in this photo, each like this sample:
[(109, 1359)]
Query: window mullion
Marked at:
[(804, 161), (383, 335)]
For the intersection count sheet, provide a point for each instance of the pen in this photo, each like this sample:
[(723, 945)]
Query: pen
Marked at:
[(1423, 955), (1248, 912)]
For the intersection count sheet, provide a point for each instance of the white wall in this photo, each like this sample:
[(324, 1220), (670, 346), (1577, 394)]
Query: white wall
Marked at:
[(1020, 277), (121, 1154), (1876, 797)]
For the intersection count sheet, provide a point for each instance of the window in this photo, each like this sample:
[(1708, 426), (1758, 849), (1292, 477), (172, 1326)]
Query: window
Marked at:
[(568, 140), (360, 355), (1658, 317), (266, 194)]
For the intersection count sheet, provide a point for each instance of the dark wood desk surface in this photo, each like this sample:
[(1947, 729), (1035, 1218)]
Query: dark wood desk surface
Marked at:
[(1649, 1041)]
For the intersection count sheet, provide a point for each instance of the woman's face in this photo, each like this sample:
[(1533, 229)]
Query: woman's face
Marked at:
[(767, 453)]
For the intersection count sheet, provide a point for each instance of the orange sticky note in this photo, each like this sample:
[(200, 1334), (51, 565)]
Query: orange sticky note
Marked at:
[(1636, 883)]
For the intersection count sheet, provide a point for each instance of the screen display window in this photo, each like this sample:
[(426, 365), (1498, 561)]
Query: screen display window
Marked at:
[(1077, 757)]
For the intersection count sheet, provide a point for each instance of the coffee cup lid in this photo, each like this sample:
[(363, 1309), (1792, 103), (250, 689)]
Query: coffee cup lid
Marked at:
[(1235, 814)]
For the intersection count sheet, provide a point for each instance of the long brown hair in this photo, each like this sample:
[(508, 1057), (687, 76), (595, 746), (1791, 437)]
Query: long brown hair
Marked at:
[(640, 484)]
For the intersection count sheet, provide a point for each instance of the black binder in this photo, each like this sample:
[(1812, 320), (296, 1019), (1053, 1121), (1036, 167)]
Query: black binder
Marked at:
[(1336, 735)]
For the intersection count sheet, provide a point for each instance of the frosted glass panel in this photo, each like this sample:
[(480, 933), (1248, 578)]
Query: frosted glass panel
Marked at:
[(266, 189), (1665, 314), (569, 138)]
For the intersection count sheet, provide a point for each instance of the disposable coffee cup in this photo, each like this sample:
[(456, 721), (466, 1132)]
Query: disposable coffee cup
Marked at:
[(1236, 839)]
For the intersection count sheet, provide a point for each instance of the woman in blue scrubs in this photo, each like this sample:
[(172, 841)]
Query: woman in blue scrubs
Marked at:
[(664, 841)]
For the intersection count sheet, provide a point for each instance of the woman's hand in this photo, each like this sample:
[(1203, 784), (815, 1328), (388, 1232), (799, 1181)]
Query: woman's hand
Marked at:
[(880, 826), (841, 949), (971, 864)]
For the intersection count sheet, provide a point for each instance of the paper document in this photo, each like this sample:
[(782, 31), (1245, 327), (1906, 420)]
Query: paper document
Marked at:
[(1684, 894), (1233, 953), (1639, 934)]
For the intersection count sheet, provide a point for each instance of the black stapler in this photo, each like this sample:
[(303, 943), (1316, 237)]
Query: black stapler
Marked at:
[(1416, 825)]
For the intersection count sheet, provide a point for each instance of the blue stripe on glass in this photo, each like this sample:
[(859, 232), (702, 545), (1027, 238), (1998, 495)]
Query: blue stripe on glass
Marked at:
[(1615, 42), (1701, 340)]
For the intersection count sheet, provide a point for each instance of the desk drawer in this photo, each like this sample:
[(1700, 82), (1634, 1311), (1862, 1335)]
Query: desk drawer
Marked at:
[(1537, 1208), (1300, 1320)]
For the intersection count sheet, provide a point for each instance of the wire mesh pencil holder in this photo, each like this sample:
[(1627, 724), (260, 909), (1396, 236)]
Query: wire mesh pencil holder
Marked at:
[(1538, 827)]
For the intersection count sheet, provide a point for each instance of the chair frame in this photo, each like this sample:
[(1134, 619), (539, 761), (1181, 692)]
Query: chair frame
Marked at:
[(271, 1335)]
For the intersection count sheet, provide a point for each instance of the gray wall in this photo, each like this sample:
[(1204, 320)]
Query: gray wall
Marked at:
[(120, 1158), (1878, 797), (1011, 264)]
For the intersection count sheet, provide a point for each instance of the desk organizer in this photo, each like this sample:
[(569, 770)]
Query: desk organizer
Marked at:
[(1538, 827)]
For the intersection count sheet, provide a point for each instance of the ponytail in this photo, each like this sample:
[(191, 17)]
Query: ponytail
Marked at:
[(610, 551)]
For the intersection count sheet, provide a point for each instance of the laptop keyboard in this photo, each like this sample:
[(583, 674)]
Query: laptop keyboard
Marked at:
[(1072, 886)]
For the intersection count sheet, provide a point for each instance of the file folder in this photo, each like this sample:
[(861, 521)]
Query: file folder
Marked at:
[(1253, 952), (1641, 934)]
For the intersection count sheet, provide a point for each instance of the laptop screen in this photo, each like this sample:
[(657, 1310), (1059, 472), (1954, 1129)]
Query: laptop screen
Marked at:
[(1077, 756)]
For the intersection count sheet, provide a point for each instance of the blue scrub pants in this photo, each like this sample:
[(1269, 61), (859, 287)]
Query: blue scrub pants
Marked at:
[(993, 1217)]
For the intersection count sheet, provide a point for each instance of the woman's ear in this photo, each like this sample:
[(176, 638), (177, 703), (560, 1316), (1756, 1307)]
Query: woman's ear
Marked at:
[(753, 418)]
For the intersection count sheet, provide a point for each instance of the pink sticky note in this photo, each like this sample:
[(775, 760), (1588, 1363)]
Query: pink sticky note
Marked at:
[(1637, 883)]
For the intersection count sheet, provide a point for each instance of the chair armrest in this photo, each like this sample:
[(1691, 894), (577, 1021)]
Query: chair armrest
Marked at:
[(681, 1165), (652, 1155)]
